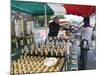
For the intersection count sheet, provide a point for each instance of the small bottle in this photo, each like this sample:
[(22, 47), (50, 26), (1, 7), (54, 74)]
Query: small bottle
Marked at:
[(46, 51), (56, 52), (36, 52), (31, 52), (51, 52), (62, 52), (41, 52)]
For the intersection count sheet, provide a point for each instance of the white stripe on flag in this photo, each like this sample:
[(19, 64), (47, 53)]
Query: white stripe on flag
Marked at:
[(57, 8)]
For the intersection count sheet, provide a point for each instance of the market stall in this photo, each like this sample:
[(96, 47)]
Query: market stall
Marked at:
[(32, 50)]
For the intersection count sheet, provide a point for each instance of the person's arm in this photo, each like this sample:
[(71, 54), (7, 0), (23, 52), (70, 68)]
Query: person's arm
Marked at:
[(79, 30), (59, 26)]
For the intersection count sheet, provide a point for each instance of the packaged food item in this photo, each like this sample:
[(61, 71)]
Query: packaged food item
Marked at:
[(20, 71), (29, 69), (41, 69), (34, 70), (31, 72), (20, 67), (25, 71), (50, 70), (25, 68), (16, 72), (57, 68), (38, 71), (45, 69)]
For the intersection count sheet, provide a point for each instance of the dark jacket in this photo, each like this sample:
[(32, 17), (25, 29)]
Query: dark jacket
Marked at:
[(53, 29)]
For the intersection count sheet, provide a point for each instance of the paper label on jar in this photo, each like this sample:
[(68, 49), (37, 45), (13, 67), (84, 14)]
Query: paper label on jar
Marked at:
[(28, 41), (21, 42)]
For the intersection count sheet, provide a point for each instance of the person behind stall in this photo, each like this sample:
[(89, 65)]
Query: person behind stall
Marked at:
[(86, 35), (54, 27)]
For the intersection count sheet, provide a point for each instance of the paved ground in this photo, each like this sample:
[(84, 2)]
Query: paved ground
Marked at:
[(91, 63), (91, 60)]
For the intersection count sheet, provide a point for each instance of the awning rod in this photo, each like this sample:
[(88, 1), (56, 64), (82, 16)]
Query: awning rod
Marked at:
[(45, 15)]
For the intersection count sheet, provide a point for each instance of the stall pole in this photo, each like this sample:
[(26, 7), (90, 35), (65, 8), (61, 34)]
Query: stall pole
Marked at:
[(45, 15), (45, 18)]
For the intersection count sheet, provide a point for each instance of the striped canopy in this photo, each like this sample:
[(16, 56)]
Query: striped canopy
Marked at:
[(40, 8)]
